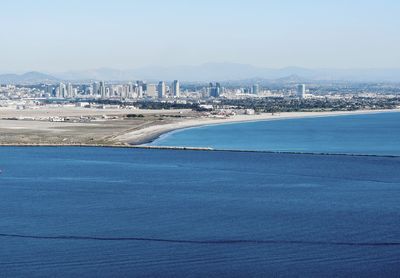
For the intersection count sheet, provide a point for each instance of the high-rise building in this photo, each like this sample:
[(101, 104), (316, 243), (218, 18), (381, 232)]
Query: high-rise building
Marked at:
[(102, 89), (176, 90), (215, 91), (96, 88), (110, 91), (256, 89), (129, 90), (50, 90), (161, 89), (151, 90), (301, 91), (141, 87), (69, 92), (61, 90)]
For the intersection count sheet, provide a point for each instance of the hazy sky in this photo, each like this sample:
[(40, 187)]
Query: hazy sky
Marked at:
[(62, 35)]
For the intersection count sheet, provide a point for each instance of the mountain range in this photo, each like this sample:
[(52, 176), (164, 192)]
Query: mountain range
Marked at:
[(27, 78), (210, 72)]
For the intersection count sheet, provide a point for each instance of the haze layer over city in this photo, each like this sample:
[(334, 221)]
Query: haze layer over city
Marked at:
[(67, 36)]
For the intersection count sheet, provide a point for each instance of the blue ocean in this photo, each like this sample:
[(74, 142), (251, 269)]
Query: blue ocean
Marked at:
[(352, 134), (116, 212)]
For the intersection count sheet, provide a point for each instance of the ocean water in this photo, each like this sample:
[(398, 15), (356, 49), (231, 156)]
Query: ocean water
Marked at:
[(103, 212), (356, 134)]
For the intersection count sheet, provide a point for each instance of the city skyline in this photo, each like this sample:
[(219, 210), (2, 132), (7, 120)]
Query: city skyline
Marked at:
[(58, 36)]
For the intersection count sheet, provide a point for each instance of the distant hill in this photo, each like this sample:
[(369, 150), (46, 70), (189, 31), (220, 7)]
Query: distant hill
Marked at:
[(27, 78), (205, 72), (224, 72), (232, 71)]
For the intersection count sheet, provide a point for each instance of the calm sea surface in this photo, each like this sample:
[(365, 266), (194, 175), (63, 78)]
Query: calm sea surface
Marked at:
[(358, 134), (101, 212)]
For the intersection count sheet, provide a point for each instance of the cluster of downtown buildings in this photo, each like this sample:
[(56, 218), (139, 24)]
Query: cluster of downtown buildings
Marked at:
[(143, 90), (281, 97), (137, 90)]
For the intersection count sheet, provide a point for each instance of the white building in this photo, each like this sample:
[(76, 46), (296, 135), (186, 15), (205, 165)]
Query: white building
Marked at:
[(151, 90), (61, 91), (102, 90), (69, 92), (301, 91)]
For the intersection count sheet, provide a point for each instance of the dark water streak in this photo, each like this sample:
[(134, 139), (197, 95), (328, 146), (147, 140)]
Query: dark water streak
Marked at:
[(220, 241)]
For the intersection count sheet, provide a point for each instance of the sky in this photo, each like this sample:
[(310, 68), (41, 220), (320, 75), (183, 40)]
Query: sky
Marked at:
[(58, 36)]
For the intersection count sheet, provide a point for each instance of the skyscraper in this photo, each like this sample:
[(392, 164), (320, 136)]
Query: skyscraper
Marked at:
[(69, 92), (216, 90), (176, 88), (129, 90), (110, 91), (61, 90), (102, 89), (96, 88), (151, 90), (301, 90), (50, 90), (140, 88), (161, 89), (256, 89)]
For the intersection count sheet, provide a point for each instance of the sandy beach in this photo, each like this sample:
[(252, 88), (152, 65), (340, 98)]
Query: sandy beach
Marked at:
[(148, 134), (113, 127)]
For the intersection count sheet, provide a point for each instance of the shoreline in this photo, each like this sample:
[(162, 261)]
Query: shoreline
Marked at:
[(152, 133)]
